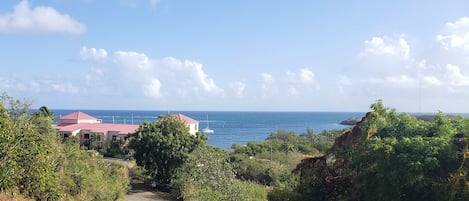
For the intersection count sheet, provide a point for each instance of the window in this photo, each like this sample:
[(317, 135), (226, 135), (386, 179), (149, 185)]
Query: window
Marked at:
[(65, 135), (87, 136), (114, 138)]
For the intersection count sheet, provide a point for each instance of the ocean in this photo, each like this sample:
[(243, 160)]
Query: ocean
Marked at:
[(233, 127)]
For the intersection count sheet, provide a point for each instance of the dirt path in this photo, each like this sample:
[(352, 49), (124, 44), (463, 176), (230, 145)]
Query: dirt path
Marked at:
[(143, 192), (140, 191)]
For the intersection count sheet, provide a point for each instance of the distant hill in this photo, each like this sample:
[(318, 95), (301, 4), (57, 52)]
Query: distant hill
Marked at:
[(351, 121)]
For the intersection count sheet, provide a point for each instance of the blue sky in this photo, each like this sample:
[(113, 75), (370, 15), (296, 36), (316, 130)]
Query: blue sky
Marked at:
[(261, 55)]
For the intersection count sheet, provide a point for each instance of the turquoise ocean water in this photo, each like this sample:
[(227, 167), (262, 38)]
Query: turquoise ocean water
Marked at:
[(234, 127)]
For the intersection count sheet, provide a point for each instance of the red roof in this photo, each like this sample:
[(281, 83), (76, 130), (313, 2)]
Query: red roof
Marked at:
[(184, 118), (99, 128), (78, 115)]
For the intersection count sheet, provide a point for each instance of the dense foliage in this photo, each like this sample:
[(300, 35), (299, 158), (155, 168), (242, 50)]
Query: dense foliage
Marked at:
[(162, 146), (271, 162), (208, 175), (392, 156), (87, 176), (35, 162)]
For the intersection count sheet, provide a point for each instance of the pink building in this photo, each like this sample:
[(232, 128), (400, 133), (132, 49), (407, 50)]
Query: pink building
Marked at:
[(192, 124), (84, 126)]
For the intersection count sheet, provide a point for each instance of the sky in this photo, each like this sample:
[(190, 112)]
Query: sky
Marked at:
[(244, 55)]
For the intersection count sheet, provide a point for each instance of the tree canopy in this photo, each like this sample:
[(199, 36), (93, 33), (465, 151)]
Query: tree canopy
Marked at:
[(35, 162), (392, 156), (162, 146)]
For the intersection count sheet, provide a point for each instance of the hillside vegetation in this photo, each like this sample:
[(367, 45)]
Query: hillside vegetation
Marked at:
[(391, 156), (386, 156), (35, 163)]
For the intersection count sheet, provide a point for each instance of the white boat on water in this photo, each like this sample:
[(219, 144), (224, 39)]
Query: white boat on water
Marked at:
[(207, 129)]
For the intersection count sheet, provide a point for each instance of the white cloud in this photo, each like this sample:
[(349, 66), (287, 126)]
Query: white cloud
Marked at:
[(267, 78), (132, 59), (192, 75), (136, 73), (400, 81), (386, 46), (386, 62), (43, 19), (304, 76), (153, 89), (4, 83), (93, 54), (303, 80), (55, 84), (97, 71), (455, 77), (455, 34), (432, 80), (58, 85), (268, 85), (344, 81), (238, 88), (386, 69)]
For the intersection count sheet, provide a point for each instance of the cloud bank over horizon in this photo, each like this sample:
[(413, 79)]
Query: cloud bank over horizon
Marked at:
[(407, 71)]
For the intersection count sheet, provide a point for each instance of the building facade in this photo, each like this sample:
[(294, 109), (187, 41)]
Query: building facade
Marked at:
[(192, 124), (85, 127)]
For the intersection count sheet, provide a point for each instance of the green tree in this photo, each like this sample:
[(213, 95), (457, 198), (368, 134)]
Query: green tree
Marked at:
[(392, 156), (45, 112), (29, 156), (208, 175), (162, 146), (406, 158), (35, 163), (43, 119), (86, 176)]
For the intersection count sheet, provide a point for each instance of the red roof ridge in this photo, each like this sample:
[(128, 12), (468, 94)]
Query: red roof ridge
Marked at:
[(184, 118), (78, 115)]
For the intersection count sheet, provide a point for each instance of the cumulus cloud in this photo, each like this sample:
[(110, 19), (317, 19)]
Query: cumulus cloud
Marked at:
[(136, 73), (93, 54), (455, 34), (304, 80), (238, 88), (385, 61), (133, 60), (290, 83), (387, 69), (192, 75), (268, 84), (455, 77), (55, 84), (304, 76), (42, 19), (386, 46), (153, 89)]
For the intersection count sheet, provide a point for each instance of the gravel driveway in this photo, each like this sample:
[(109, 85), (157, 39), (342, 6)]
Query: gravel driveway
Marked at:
[(142, 192)]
